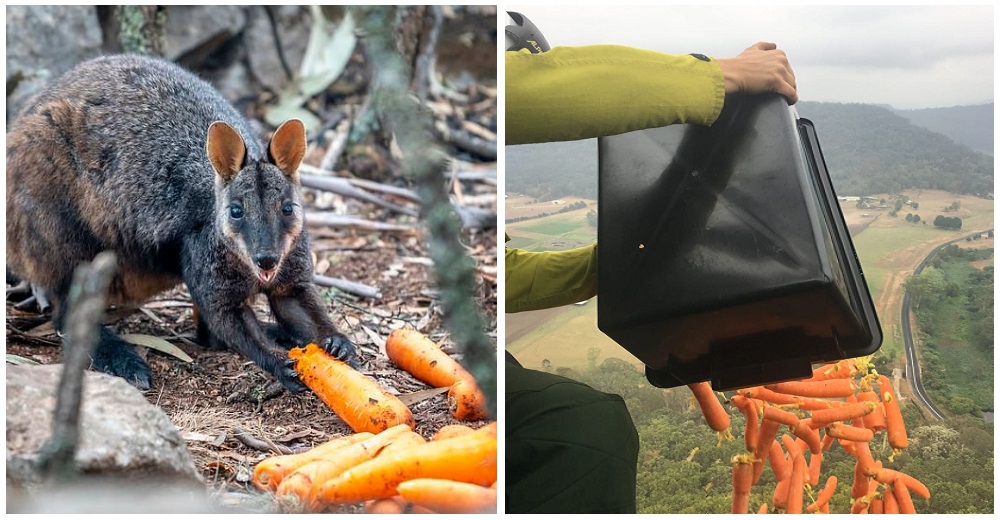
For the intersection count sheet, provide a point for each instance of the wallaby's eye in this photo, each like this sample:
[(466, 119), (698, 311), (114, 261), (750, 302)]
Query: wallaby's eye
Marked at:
[(287, 209), (235, 212)]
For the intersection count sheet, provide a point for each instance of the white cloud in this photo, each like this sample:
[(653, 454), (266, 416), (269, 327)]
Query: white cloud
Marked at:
[(906, 56)]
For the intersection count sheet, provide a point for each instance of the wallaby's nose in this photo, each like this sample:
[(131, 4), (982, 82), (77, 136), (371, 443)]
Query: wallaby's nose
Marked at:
[(266, 261)]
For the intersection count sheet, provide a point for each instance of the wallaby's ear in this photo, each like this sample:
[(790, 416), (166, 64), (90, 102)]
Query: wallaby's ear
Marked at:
[(288, 147), (226, 150)]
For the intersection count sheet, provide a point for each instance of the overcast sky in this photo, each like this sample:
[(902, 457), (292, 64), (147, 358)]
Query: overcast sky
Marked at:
[(904, 56)]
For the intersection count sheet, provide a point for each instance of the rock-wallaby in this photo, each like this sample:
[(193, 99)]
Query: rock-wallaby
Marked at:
[(136, 155)]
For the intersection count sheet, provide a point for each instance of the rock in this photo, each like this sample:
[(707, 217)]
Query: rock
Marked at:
[(42, 43), (122, 435), (293, 25), (193, 26)]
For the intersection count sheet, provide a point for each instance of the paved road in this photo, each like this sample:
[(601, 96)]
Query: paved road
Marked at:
[(912, 366)]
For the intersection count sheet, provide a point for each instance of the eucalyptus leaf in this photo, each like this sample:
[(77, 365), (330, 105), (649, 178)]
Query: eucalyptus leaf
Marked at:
[(159, 344), (283, 111), (18, 360), (327, 53)]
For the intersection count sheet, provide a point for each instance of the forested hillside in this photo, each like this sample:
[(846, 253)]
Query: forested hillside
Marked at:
[(969, 125), (868, 150)]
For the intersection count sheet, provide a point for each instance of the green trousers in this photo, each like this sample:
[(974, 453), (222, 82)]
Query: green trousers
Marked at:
[(569, 448)]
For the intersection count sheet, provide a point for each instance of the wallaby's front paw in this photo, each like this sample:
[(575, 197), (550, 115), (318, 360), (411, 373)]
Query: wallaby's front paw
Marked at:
[(341, 348), (289, 377)]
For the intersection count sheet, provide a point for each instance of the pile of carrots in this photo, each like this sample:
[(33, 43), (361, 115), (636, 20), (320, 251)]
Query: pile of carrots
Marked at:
[(838, 404), (385, 464), (396, 470)]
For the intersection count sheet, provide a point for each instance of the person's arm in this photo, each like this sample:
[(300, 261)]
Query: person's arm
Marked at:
[(571, 93), (535, 281)]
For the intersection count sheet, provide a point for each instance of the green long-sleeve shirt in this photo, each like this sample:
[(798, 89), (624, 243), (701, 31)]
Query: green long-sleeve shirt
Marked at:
[(571, 93)]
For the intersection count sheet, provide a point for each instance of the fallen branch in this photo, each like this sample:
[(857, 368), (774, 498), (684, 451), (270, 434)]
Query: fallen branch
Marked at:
[(355, 288), (344, 187), (265, 445), (86, 304), (325, 218)]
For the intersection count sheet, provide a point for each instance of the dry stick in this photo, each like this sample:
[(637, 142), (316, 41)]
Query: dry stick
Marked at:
[(454, 270), (355, 288), (343, 187), (337, 146), (328, 219), (85, 308), (264, 445)]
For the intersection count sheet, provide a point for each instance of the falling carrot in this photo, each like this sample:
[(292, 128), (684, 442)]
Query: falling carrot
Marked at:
[(847, 412), (860, 486), (765, 438), (895, 429), (749, 409), (424, 359), (815, 460), (795, 485), (742, 480), (865, 460), (781, 416), (466, 401), (780, 465), (874, 421), (354, 397), (780, 497), (840, 370), (763, 509), (826, 388), (902, 494), (711, 408), (268, 473), (849, 433), (890, 506), (825, 494), (804, 431), (449, 496), (889, 476)]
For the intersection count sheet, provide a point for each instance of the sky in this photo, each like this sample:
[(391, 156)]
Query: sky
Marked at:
[(904, 56)]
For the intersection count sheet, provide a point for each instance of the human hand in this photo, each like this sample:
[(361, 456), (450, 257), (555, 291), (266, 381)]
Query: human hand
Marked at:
[(760, 68)]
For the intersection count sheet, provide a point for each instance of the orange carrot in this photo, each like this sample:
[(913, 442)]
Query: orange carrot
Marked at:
[(847, 412), (404, 441), (466, 401), (781, 416), (826, 388), (866, 462), (749, 408), (860, 505), (742, 480), (890, 505), (825, 494), (451, 430), (423, 358), (877, 506), (354, 397), (840, 370), (888, 476), (849, 433), (780, 465), (770, 396), (470, 458), (711, 408), (815, 460), (296, 490), (385, 506), (268, 473), (809, 435), (795, 485), (827, 442), (895, 429), (860, 486), (780, 497), (902, 494), (449, 496), (875, 421), (765, 438), (793, 448), (763, 509)]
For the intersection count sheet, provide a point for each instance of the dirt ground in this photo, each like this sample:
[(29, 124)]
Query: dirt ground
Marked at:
[(221, 395)]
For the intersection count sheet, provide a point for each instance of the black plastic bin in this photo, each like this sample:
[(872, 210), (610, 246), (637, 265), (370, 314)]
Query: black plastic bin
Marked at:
[(722, 253)]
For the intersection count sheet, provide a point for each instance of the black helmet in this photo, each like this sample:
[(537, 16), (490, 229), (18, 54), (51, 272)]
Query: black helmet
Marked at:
[(522, 34)]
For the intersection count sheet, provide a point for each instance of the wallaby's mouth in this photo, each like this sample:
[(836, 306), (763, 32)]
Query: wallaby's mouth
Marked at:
[(267, 275)]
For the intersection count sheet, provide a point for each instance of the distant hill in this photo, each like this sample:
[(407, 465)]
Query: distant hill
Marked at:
[(871, 149), (968, 125), (868, 149)]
